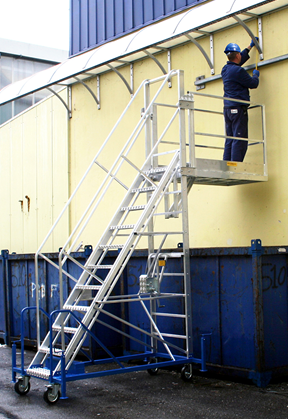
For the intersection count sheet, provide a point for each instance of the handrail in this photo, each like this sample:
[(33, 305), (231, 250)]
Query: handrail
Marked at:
[(125, 150), (246, 102), (131, 140), (251, 142)]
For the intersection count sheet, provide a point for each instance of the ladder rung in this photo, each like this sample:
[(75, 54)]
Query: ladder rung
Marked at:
[(173, 274), (180, 316), (123, 227), (111, 246), (133, 208), (169, 214), (169, 335), (148, 189), (66, 329), (99, 266), (76, 308)]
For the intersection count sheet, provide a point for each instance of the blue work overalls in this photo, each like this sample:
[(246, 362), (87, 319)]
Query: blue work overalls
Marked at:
[(237, 83)]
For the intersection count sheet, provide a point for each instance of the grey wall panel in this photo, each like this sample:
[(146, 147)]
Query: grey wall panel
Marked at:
[(94, 22)]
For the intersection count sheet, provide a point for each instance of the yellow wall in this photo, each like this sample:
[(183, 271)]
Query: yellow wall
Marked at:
[(34, 153), (33, 164), (219, 216)]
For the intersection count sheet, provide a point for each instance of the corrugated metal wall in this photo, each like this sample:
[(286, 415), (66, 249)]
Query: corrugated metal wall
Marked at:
[(96, 21)]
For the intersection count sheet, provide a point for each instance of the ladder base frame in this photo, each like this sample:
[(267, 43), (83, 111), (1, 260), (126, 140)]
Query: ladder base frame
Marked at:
[(165, 363), (77, 369)]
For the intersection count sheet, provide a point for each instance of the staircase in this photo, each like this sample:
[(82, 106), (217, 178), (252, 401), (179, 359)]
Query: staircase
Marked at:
[(91, 292)]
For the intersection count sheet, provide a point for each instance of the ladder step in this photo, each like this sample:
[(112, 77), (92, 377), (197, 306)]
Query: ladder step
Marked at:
[(88, 287), (111, 246), (38, 372), (55, 351), (99, 267), (148, 189), (76, 308), (156, 170), (134, 208), (123, 227), (66, 329)]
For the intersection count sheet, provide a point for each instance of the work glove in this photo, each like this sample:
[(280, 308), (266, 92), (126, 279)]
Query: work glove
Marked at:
[(256, 73), (252, 42)]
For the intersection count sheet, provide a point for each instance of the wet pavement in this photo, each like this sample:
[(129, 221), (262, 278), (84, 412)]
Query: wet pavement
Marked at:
[(139, 395)]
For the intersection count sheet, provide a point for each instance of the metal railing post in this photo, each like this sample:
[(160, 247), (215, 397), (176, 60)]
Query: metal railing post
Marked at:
[(185, 222), (191, 134)]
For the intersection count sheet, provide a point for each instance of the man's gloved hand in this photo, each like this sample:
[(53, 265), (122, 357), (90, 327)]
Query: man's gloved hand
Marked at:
[(252, 42), (256, 73)]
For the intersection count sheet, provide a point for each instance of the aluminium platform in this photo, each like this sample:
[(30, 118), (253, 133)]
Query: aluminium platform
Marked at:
[(225, 173)]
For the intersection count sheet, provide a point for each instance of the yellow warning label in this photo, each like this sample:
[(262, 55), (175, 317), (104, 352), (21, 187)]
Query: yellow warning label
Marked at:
[(161, 262), (231, 163)]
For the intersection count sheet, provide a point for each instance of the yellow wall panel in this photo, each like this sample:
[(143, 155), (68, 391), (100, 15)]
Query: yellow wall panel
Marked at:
[(34, 162), (5, 173), (16, 187)]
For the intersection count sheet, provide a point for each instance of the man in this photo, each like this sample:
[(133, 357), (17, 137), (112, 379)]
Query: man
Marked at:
[(237, 83)]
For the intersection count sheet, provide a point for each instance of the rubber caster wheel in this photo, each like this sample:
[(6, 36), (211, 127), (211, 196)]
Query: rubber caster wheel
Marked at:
[(21, 388), (186, 372), (50, 397), (153, 371)]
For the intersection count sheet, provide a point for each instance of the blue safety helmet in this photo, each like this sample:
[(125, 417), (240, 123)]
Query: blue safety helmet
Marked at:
[(232, 48)]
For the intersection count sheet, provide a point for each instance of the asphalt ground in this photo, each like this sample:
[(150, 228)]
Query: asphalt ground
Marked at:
[(139, 395)]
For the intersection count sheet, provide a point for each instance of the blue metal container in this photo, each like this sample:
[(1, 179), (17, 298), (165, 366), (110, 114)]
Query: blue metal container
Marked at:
[(93, 22), (239, 301)]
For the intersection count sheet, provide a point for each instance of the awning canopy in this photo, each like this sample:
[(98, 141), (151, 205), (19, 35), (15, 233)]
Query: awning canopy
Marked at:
[(168, 33)]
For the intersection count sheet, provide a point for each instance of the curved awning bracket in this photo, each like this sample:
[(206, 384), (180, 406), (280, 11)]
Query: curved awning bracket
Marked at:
[(155, 60), (152, 56), (62, 100), (90, 90), (122, 78), (251, 34), (211, 65)]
